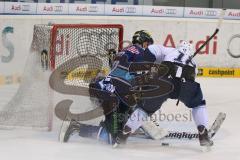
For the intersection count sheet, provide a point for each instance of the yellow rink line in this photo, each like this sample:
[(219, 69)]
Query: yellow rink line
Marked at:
[(219, 72), (80, 74), (202, 72)]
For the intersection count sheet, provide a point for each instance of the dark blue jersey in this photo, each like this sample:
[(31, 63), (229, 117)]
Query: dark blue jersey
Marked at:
[(134, 53)]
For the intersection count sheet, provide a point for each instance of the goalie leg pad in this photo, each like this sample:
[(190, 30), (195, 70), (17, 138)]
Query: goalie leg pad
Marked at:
[(154, 130)]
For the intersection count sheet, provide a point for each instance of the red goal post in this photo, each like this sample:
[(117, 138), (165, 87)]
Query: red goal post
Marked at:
[(57, 27)]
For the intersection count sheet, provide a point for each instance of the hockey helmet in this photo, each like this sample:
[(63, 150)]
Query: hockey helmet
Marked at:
[(142, 36), (185, 48)]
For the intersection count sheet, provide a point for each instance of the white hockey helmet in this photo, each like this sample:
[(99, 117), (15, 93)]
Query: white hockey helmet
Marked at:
[(185, 48)]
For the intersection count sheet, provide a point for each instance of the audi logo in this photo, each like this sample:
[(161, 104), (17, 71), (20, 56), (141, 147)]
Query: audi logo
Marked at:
[(130, 10), (210, 13), (58, 8), (93, 9), (234, 55), (25, 7), (171, 11)]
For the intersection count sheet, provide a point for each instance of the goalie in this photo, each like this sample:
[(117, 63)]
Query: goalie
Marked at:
[(116, 118)]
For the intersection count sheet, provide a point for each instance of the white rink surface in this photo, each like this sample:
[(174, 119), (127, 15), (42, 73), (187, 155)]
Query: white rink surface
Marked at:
[(222, 95)]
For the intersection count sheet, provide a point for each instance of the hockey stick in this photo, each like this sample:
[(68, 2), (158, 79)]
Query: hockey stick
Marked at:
[(217, 124), (190, 136), (208, 40), (212, 131), (213, 35)]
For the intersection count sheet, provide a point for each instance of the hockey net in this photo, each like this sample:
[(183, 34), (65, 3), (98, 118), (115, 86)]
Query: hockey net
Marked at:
[(53, 46)]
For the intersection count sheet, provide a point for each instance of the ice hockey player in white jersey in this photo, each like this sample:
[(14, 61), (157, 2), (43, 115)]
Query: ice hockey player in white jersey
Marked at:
[(182, 72)]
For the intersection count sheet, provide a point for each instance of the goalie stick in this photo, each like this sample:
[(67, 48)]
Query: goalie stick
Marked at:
[(190, 136)]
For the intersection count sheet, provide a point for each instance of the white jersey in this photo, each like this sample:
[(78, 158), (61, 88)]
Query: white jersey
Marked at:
[(162, 53), (169, 54)]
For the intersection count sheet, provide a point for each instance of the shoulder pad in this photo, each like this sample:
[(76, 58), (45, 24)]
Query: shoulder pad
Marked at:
[(133, 49)]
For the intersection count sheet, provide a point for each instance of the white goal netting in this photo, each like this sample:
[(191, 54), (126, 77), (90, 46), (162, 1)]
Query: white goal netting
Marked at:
[(52, 46)]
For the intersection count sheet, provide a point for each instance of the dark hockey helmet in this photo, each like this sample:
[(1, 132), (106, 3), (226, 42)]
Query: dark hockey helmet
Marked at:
[(142, 36)]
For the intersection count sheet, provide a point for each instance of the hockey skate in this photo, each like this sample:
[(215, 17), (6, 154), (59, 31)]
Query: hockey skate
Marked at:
[(68, 129), (204, 138)]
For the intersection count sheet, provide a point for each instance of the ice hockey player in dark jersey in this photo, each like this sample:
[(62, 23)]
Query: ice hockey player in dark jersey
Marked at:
[(116, 118), (182, 72)]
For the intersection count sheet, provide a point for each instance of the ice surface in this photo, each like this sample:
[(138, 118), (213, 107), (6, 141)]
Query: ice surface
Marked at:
[(222, 95)]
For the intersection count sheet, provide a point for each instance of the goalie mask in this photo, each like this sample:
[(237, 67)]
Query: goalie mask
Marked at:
[(186, 48), (142, 36)]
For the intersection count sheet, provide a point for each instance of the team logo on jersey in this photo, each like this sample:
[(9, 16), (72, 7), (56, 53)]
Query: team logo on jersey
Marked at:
[(133, 49)]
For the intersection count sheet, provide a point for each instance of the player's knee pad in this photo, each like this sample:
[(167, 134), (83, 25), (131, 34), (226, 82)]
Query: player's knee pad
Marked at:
[(191, 94)]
